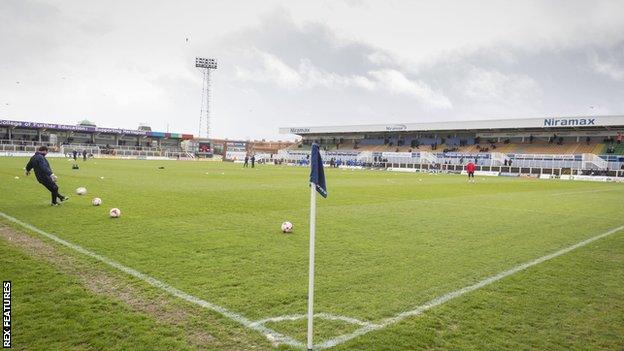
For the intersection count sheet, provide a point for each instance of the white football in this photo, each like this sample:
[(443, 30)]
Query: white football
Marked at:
[(81, 190), (115, 213), (287, 227), (96, 201)]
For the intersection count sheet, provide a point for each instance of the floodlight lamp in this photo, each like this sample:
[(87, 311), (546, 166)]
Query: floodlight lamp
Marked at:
[(209, 63)]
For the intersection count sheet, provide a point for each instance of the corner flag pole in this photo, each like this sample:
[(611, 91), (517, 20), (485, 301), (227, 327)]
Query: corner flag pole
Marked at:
[(317, 184), (311, 268)]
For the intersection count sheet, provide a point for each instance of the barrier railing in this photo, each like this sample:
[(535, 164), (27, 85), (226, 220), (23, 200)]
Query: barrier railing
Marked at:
[(593, 161), (580, 161)]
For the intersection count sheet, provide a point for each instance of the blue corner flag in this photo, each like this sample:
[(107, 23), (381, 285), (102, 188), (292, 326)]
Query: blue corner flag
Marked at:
[(317, 175)]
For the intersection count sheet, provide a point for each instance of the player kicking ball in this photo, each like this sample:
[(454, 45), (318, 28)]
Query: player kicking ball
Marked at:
[(470, 168), (44, 174)]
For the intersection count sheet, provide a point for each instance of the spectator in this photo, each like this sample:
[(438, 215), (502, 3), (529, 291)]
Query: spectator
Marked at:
[(619, 137)]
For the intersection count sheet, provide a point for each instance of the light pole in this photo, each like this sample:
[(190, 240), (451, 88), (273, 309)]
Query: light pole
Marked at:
[(205, 65)]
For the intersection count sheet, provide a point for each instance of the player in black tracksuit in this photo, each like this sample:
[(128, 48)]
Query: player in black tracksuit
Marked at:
[(44, 174)]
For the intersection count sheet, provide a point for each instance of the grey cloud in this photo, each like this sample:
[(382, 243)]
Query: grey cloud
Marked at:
[(504, 81), (280, 36), (312, 55), (609, 62)]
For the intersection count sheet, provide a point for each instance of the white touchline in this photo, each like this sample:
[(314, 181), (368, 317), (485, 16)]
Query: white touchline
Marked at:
[(457, 293), (270, 334)]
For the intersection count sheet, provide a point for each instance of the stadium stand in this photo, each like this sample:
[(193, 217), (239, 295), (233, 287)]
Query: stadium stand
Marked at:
[(541, 148), (582, 143), (18, 136)]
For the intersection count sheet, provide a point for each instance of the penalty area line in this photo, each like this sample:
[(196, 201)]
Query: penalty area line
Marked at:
[(457, 293), (270, 334)]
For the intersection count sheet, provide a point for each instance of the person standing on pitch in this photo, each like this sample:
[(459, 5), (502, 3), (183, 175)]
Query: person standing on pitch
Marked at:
[(253, 161), (84, 155), (246, 164), (44, 174), (470, 168), (75, 153)]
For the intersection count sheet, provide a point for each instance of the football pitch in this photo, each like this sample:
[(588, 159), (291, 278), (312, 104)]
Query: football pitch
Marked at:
[(403, 261)]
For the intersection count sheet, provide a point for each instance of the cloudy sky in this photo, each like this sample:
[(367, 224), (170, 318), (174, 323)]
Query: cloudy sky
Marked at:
[(294, 63)]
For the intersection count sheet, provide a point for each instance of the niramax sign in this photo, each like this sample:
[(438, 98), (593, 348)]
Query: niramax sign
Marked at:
[(569, 122)]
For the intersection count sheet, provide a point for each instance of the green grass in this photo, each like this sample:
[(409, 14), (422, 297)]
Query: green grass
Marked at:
[(51, 311), (386, 243)]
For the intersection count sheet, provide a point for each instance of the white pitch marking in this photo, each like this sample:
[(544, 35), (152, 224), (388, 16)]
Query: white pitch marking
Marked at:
[(457, 293), (326, 316), (270, 334)]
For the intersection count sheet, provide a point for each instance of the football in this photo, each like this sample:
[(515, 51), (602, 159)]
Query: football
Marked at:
[(287, 227), (96, 201), (115, 213), (81, 190)]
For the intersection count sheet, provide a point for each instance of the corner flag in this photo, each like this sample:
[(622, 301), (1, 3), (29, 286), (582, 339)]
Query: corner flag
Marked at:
[(317, 183), (317, 175)]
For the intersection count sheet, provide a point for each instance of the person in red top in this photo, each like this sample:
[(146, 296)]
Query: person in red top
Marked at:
[(470, 168), (619, 137)]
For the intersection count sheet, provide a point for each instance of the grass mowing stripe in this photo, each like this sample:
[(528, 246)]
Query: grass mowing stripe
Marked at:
[(611, 189), (511, 209), (457, 293), (269, 333)]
